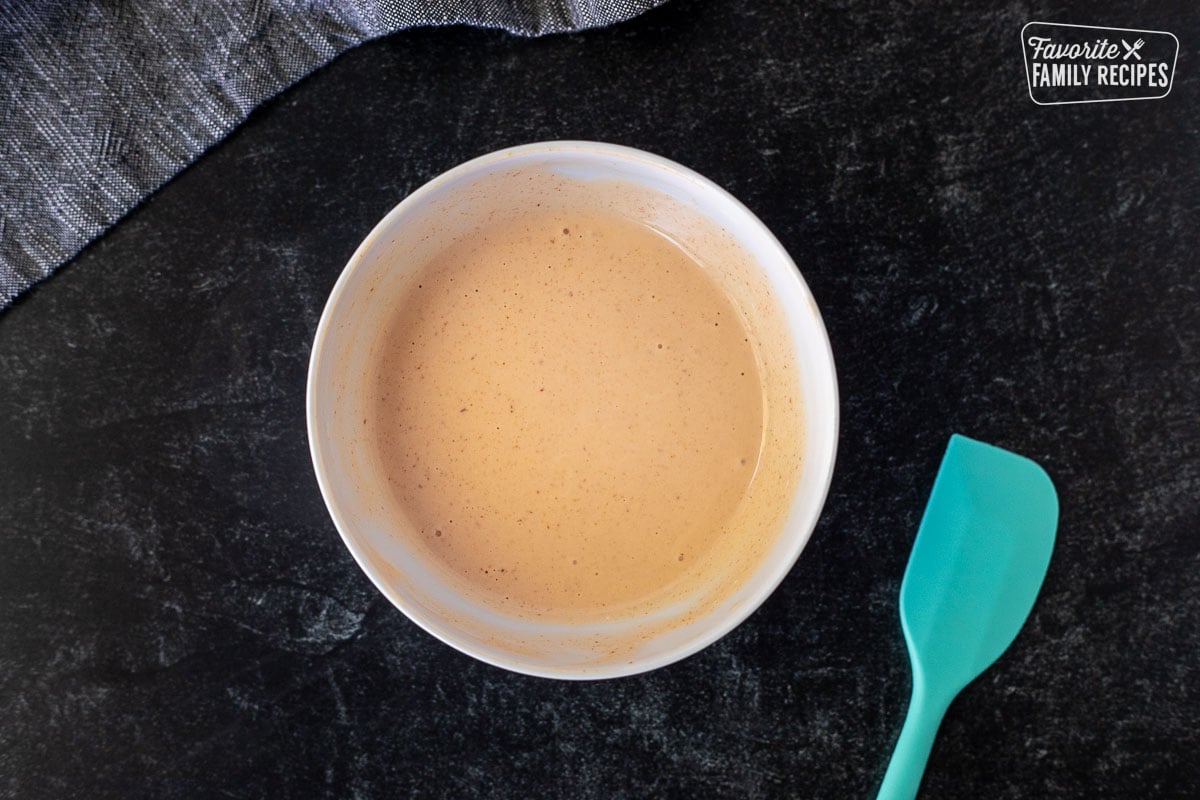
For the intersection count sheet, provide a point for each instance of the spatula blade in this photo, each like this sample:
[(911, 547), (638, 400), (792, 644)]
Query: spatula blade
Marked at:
[(979, 560)]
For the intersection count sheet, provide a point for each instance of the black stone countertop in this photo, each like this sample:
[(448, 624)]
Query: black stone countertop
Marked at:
[(178, 617)]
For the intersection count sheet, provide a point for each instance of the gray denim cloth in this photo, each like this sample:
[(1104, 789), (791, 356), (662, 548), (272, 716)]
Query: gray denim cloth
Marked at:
[(103, 102)]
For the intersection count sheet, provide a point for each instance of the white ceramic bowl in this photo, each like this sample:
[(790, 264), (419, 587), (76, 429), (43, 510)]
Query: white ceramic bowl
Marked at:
[(348, 329)]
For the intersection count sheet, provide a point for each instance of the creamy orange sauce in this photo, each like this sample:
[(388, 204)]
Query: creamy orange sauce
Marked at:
[(568, 411)]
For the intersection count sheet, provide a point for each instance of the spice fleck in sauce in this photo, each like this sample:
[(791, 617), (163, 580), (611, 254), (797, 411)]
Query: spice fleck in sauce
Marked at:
[(569, 411)]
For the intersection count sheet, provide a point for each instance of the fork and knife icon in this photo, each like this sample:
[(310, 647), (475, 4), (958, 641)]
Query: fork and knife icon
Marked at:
[(1132, 50)]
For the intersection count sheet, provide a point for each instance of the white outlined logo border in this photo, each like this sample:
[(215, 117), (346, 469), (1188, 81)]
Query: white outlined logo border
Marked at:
[(1029, 79)]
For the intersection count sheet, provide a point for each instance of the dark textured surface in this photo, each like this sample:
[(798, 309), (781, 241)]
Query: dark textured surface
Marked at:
[(179, 619)]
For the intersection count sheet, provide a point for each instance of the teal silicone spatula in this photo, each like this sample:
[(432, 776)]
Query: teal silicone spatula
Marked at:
[(978, 562)]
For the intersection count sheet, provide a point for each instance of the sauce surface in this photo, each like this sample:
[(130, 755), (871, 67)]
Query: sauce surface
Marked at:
[(568, 410)]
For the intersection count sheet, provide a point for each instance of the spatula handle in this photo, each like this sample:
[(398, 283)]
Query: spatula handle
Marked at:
[(903, 776)]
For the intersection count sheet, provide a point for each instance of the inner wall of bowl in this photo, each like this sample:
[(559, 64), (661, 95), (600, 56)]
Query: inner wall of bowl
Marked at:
[(779, 312)]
